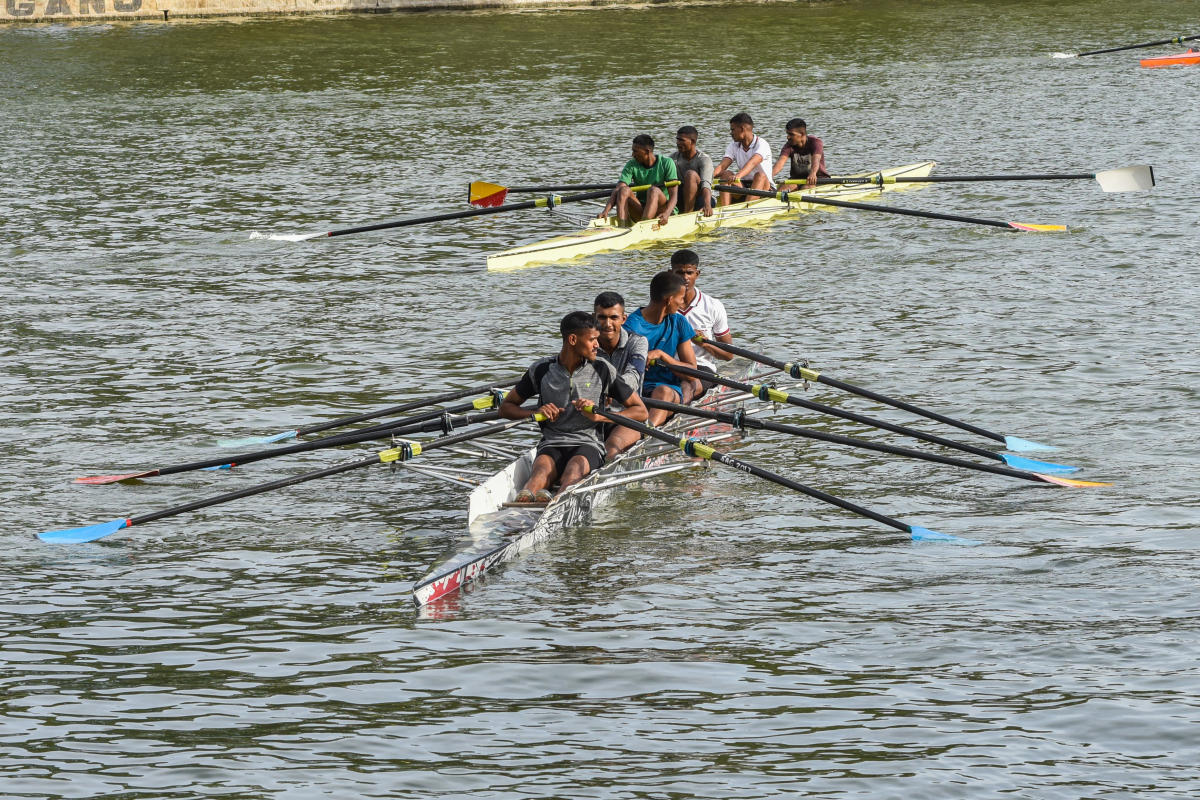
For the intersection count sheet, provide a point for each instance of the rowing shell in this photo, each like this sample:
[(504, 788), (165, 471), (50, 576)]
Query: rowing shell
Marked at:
[(604, 235), (501, 533)]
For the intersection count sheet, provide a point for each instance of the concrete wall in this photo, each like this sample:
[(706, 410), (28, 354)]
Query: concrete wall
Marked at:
[(75, 10)]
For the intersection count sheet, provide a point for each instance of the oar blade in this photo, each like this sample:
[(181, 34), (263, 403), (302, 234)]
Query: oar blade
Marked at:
[(1041, 467), (88, 533), (1019, 445), (1127, 179), (1071, 482), (288, 237), (920, 534), (487, 195), (100, 480), (1033, 227), (255, 440)]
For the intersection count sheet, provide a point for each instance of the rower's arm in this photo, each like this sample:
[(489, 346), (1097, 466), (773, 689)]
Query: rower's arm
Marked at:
[(634, 408), (754, 161), (718, 352), (510, 406), (779, 162)]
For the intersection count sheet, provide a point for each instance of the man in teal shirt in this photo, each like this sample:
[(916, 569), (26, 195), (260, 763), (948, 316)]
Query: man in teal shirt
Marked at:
[(645, 168)]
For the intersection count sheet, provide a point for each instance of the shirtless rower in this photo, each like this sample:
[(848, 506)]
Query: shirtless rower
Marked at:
[(750, 153), (564, 384), (644, 168), (695, 171), (805, 153), (707, 316)]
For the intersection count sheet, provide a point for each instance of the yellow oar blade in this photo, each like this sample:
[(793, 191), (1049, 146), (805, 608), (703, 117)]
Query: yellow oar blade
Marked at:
[(1035, 228), (1071, 481), (487, 195)]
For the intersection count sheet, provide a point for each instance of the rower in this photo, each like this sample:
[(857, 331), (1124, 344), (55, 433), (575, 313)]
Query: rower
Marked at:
[(624, 350), (564, 384), (645, 168), (695, 171), (669, 337), (707, 316), (806, 154), (750, 153)]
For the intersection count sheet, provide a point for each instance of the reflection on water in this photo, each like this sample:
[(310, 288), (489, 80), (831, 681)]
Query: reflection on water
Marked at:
[(708, 635)]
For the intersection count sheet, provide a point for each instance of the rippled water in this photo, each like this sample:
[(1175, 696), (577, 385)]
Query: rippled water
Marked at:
[(706, 636)]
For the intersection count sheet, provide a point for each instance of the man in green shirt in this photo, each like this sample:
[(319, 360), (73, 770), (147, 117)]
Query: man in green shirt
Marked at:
[(643, 169)]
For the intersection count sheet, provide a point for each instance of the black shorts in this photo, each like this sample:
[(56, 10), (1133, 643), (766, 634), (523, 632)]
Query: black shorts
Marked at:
[(705, 384), (561, 455)]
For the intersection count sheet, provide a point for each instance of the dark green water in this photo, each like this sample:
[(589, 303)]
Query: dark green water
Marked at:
[(709, 636)]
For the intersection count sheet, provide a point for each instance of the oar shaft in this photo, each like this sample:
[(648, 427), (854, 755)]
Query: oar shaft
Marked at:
[(411, 405), (879, 180), (798, 371), (1173, 40), (775, 395), (835, 438), (701, 450), (574, 187)]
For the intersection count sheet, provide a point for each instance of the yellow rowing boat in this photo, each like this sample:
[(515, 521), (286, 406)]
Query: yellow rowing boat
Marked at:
[(605, 235)]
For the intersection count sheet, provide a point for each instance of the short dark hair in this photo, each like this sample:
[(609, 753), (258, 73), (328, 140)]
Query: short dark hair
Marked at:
[(577, 321), (795, 123), (609, 299), (688, 130), (665, 284), (741, 119), (643, 140), (684, 257)]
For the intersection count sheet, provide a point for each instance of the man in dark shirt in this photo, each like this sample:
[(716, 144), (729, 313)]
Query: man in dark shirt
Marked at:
[(806, 155), (571, 446)]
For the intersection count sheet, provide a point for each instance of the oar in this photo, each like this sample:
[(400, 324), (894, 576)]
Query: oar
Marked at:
[(541, 202), (802, 372), (808, 198), (1174, 40), (1126, 179), (402, 452), (488, 195), (441, 418), (411, 405), (741, 420), (773, 395), (698, 449)]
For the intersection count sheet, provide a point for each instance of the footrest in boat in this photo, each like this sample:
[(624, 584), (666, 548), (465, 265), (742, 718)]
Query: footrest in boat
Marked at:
[(524, 505)]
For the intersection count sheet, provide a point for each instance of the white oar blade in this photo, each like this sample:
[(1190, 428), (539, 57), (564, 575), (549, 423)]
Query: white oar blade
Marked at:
[(1128, 179), (287, 237)]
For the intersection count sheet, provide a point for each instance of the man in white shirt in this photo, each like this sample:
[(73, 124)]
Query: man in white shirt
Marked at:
[(749, 153), (707, 315)]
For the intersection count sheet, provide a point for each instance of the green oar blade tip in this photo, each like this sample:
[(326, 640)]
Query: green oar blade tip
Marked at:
[(88, 533), (1019, 445), (255, 440), (920, 534), (1030, 465)]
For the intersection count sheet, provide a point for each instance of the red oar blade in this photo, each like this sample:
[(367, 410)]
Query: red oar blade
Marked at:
[(487, 195), (102, 479)]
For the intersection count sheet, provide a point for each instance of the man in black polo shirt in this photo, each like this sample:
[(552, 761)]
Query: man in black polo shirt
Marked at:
[(571, 444)]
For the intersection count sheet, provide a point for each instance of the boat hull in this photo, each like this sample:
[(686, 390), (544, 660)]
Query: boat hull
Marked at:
[(604, 235)]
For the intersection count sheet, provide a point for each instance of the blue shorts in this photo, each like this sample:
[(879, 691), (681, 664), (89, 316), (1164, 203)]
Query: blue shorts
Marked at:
[(648, 388)]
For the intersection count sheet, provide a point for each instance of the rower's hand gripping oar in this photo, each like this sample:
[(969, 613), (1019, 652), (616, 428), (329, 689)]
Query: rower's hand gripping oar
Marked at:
[(698, 449), (795, 197), (1126, 179), (740, 420), (1172, 40), (402, 452), (802, 372), (488, 195), (430, 420), (773, 395), (403, 408)]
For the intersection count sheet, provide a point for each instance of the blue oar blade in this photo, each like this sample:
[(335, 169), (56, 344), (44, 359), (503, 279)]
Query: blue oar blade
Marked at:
[(920, 534), (1030, 465), (214, 469), (88, 533), (253, 440), (1019, 445)]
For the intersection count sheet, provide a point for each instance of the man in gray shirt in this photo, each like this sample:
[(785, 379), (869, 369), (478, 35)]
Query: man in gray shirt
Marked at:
[(624, 350), (695, 171), (564, 384)]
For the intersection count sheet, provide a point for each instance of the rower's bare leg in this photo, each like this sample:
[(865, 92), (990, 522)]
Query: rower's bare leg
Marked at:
[(691, 389), (576, 470), (542, 475), (620, 440), (760, 182), (689, 190), (725, 198), (657, 415), (626, 204), (655, 201)]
